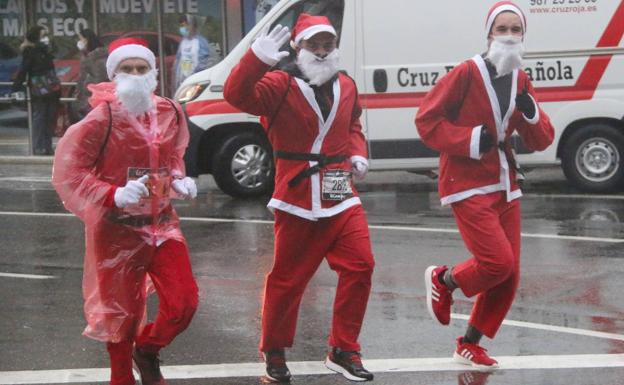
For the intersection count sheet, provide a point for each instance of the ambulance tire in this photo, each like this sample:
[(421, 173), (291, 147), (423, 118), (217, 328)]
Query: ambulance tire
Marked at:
[(593, 158), (243, 166)]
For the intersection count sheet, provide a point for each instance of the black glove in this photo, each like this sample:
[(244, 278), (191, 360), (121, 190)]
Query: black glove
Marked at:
[(486, 141), (525, 104)]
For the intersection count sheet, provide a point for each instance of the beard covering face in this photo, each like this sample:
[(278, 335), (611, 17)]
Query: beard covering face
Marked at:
[(318, 70), (135, 91), (505, 54)]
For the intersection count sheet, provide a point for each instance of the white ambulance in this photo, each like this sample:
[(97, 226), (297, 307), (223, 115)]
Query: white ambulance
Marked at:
[(396, 50)]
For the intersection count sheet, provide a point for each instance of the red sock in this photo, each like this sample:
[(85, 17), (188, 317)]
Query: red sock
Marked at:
[(121, 363)]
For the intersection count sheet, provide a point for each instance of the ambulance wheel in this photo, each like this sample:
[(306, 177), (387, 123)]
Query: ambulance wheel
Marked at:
[(593, 158), (243, 166)]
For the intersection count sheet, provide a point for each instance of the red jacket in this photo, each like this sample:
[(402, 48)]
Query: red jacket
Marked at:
[(299, 126), (450, 119)]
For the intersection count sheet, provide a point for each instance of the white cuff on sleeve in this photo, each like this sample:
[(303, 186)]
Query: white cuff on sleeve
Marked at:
[(359, 159), (535, 118), (475, 140)]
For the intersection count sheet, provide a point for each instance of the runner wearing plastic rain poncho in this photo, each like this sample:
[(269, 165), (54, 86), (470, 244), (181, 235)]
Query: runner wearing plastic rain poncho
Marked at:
[(117, 170)]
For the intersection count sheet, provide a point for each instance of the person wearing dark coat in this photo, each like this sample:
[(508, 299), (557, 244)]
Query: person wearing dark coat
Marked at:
[(37, 61), (92, 71)]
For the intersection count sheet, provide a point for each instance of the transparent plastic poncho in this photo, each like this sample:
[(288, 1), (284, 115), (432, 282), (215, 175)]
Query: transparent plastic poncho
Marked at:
[(97, 154)]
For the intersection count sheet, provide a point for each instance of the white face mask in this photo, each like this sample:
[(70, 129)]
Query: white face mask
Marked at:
[(45, 40), (81, 44), (135, 91), (318, 70), (505, 53)]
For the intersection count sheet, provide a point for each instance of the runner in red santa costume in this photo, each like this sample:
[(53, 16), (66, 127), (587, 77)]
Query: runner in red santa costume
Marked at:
[(115, 170), (469, 117), (311, 115)]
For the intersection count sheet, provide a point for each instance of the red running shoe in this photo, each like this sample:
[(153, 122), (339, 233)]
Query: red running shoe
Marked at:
[(473, 354), (439, 297)]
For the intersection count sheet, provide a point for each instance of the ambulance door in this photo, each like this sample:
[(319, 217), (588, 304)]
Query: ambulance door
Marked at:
[(575, 60), (407, 47)]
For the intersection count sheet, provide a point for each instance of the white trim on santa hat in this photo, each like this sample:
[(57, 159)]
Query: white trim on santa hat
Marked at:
[(128, 51), (503, 8), (313, 30)]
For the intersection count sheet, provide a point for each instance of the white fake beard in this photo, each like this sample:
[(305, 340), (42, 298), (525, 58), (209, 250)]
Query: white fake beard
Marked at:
[(135, 91), (505, 54), (318, 70)]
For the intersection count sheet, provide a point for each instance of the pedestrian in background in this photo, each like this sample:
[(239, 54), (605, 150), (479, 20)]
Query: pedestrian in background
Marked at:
[(93, 57), (469, 117), (194, 52), (45, 88)]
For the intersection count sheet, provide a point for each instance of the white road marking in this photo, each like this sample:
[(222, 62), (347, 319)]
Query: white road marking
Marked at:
[(525, 235), (66, 376), (575, 196), (27, 214), (374, 227), (48, 179), (27, 276), (228, 220), (552, 328), (37, 179), (12, 142)]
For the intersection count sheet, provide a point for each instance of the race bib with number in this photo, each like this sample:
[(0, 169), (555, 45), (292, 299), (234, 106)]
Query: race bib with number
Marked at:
[(158, 186), (336, 185)]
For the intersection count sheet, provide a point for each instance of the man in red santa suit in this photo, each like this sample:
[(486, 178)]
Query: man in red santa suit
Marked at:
[(115, 170), (311, 116), (469, 117)]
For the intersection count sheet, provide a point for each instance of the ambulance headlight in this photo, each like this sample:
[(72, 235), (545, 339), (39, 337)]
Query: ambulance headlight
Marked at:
[(191, 91)]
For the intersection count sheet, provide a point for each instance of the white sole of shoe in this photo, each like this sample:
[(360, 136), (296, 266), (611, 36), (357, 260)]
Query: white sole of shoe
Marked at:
[(136, 372), (339, 369), (429, 288), (464, 361), (271, 380)]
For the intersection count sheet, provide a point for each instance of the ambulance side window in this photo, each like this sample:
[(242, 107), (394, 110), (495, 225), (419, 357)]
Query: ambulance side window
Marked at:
[(333, 9)]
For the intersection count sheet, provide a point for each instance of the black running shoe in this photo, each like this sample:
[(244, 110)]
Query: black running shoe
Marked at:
[(349, 364), (276, 369), (148, 365)]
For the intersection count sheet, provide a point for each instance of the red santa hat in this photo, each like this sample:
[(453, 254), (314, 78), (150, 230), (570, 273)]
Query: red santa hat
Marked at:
[(128, 48), (308, 26), (500, 7)]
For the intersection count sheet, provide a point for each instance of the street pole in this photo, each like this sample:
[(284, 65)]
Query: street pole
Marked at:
[(161, 56)]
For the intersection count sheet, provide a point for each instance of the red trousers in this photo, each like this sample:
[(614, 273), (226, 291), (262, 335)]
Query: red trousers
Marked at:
[(490, 228), (171, 274), (300, 247)]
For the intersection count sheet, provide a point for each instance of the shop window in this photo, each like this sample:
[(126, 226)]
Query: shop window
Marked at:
[(11, 36), (193, 40)]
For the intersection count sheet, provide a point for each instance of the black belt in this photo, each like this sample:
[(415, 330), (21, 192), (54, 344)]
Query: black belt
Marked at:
[(511, 159), (322, 160), (138, 220)]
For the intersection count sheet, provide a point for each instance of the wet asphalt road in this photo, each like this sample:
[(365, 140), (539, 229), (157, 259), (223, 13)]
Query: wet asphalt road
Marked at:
[(568, 281)]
